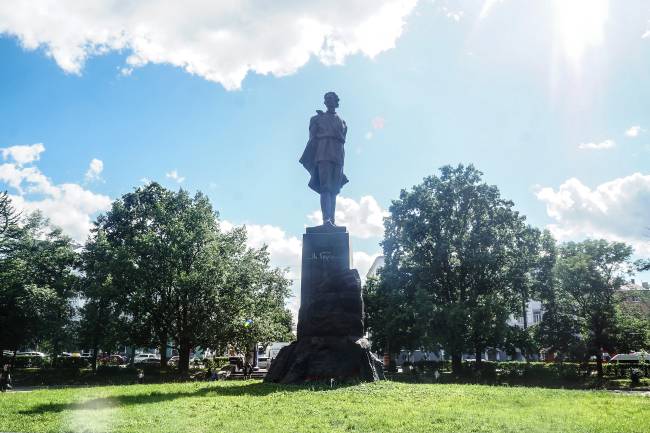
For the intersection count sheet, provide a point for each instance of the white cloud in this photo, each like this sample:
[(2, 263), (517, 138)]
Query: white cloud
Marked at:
[(220, 41), (364, 219), (368, 135), (362, 262), (607, 144), (452, 15), (173, 175), (487, 7), (615, 210), (633, 131), (67, 205), (95, 169), (23, 154)]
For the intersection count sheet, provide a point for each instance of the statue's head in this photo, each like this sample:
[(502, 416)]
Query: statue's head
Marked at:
[(331, 100)]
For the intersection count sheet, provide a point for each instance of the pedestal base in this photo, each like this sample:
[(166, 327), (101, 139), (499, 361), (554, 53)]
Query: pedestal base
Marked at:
[(330, 321), (320, 359)]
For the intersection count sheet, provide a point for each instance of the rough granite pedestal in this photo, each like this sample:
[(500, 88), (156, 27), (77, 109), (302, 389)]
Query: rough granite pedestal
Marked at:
[(330, 342)]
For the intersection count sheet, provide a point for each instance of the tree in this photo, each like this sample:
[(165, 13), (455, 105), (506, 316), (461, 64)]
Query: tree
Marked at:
[(632, 321), (632, 331), (8, 221), (589, 273), (642, 265), (389, 315), (101, 314), (183, 279), (38, 282), (531, 269), (452, 242), (559, 331)]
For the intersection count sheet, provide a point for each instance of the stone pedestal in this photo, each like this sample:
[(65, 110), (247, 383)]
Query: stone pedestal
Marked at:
[(330, 341)]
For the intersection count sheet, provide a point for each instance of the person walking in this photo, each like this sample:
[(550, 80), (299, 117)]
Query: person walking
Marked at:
[(5, 378)]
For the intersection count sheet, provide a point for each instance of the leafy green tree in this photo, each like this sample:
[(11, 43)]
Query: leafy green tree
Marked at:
[(101, 316), (183, 279), (632, 331), (390, 316), (452, 241), (559, 331), (589, 273), (642, 265), (8, 221), (632, 321), (38, 283), (531, 268)]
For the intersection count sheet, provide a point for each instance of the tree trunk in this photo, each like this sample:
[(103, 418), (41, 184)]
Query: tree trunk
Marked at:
[(184, 356), (132, 355), (456, 363), (599, 363), (163, 353), (94, 359), (524, 310), (479, 358)]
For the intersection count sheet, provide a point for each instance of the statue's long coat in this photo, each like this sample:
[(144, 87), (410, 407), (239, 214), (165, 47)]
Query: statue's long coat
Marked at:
[(327, 133)]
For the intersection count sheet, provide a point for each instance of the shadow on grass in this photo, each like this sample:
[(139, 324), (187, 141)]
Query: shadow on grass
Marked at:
[(257, 389)]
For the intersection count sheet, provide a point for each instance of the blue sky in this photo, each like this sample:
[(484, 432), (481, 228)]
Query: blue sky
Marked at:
[(549, 99)]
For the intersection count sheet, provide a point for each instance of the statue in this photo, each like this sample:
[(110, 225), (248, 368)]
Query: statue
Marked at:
[(324, 155), (330, 344)]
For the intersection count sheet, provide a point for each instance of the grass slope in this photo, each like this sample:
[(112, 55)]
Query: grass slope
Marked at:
[(380, 407)]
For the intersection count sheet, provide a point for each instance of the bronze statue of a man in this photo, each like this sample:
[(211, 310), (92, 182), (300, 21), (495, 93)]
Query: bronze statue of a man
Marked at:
[(324, 155)]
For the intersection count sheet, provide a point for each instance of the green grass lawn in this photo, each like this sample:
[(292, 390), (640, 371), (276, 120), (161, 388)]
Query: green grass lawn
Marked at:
[(379, 407)]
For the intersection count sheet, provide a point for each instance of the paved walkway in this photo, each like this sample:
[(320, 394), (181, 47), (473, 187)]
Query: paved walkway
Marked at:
[(631, 392)]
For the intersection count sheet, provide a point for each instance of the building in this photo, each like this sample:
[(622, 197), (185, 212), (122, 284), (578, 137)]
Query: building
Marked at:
[(376, 265)]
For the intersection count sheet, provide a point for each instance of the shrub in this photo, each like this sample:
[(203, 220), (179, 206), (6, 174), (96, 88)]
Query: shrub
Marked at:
[(115, 370), (27, 361), (70, 362), (429, 366)]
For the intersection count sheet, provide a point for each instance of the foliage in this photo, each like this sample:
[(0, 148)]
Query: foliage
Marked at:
[(389, 314), (8, 221), (101, 324), (178, 277), (453, 250), (38, 283), (632, 332), (589, 273)]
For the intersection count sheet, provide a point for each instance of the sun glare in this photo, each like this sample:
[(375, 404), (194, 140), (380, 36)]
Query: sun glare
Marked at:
[(580, 24)]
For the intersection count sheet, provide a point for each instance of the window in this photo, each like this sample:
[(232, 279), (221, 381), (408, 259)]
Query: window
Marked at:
[(537, 316)]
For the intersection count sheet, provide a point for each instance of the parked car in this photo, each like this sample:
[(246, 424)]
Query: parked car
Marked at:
[(149, 361), (39, 354), (631, 357), (141, 357), (173, 361), (263, 362), (30, 359)]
